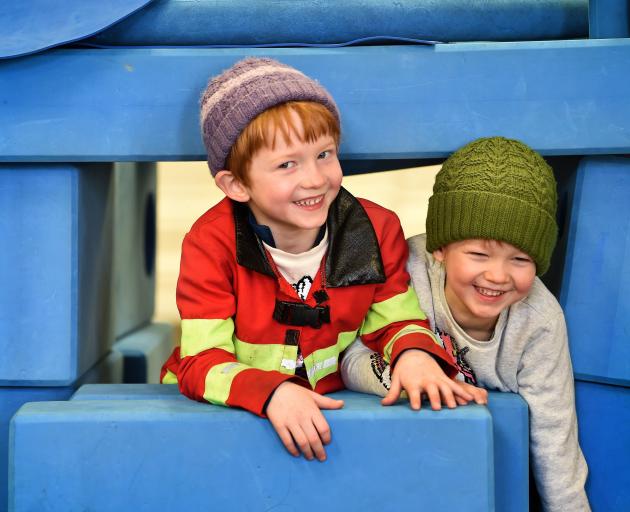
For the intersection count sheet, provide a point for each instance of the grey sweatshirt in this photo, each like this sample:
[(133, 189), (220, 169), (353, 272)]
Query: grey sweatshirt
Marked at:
[(528, 354)]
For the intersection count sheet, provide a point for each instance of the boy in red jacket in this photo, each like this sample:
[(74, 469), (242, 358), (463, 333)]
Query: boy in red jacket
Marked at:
[(282, 275)]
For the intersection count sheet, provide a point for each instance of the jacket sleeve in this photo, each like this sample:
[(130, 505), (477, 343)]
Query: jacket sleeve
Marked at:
[(545, 381), (395, 322), (208, 369)]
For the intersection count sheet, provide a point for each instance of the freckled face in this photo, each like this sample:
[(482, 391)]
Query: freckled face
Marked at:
[(293, 185), (483, 277)]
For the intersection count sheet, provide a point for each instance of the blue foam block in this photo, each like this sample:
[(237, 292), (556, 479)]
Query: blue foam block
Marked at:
[(390, 108), (145, 351), (597, 271), (182, 22), (55, 269), (108, 370), (510, 422), (134, 246), (510, 434), (603, 421), (609, 18), (184, 455), (11, 399)]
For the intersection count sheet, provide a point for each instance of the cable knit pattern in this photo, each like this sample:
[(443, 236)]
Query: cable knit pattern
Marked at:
[(495, 188)]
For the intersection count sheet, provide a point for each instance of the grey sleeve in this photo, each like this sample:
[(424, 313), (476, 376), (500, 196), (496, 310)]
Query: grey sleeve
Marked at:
[(545, 380), (364, 370)]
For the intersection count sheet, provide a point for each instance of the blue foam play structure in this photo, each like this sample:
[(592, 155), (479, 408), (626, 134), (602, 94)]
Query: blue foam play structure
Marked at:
[(80, 129), (596, 286), (134, 246), (144, 352), (108, 369), (56, 219), (604, 415), (130, 429)]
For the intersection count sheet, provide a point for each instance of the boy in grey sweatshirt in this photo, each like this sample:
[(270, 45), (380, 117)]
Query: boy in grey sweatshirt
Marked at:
[(491, 229)]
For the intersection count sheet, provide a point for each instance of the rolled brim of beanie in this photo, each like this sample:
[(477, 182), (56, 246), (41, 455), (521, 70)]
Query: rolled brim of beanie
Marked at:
[(455, 216)]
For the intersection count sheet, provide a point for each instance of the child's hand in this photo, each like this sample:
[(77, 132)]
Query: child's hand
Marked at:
[(480, 395), (295, 413), (417, 372)]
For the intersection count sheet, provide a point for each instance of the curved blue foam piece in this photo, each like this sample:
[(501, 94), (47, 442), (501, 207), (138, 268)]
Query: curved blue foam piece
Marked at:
[(247, 22), (29, 27)]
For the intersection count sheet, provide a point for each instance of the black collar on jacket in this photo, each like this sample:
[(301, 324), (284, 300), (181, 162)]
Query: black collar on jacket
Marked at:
[(353, 257)]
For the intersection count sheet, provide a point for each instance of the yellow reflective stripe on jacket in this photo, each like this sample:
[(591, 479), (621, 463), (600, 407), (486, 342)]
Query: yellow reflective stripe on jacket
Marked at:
[(325, 361), (219, 381), (267, 356), (408, 329), (403, 306), (202, 334), (169, 378)]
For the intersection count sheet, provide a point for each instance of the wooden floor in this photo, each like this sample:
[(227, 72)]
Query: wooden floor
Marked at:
[(186, 190)]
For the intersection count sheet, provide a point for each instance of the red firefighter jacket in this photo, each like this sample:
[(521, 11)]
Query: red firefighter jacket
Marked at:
[(242, 321)]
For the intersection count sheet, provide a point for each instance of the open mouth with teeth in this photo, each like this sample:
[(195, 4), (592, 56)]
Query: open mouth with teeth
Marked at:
[(310, 202), (486, 292)]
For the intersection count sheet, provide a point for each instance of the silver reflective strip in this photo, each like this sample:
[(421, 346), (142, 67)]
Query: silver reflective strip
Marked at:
[(321, 365)]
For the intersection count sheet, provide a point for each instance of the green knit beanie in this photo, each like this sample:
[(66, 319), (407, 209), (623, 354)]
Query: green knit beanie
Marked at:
[(499, 189)]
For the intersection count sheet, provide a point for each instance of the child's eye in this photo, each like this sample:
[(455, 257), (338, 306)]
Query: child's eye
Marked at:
[(286, 165), (522, 259), (478, 254), (324, 154)]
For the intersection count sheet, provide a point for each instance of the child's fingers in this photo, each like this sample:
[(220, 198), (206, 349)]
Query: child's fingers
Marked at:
[(415, 398), (325, 402), (460, 400), (460, 390), (393, 394), (302, 441), (321, 425), (287, 441), (480, 395), (448, 397), (433, 394), (314, 441)]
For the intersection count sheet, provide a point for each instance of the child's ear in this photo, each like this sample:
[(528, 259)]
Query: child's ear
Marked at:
[(438, 255), (231, 186)]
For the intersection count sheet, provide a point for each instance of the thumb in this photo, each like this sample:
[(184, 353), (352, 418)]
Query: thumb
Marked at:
[(325, 402), (393, 394)]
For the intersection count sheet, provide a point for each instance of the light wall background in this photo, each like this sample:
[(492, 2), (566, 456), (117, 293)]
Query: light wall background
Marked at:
[(186, 190)]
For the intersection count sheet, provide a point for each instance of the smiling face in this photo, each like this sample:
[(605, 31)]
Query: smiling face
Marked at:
[(291, 187), (483, 277)]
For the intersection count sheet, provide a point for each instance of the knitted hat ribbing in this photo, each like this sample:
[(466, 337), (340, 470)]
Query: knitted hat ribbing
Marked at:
[(251, 86), (495, 188)]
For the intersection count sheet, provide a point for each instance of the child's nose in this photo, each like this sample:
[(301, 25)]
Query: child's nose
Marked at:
[(313, 176), (496, 272)]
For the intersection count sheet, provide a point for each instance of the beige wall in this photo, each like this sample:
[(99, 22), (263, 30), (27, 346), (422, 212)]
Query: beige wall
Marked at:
[(186, 190)]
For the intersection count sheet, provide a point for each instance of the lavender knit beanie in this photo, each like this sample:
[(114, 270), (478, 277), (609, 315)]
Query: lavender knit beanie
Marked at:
[(236, 96)]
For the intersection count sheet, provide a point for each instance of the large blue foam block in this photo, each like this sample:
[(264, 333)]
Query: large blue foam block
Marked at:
[(144, 352), (242, 22), (396, 102), (108, 370), (183, 455), (55, 266), (134, 245), (603, 419), (597, 271), (510, 427)]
